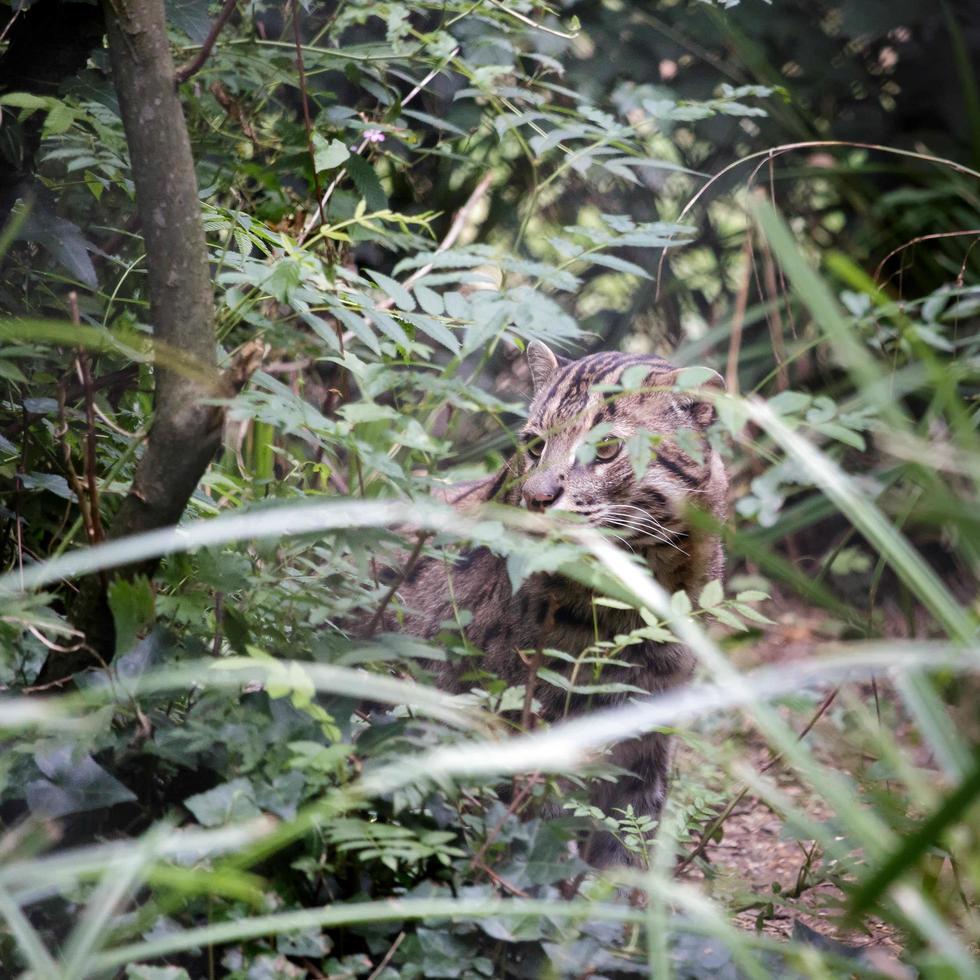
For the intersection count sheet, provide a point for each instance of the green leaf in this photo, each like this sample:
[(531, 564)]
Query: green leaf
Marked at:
[(228, 803), (399, 294), (26, 100), (143, 971), (74, 783), (680, 604), (694, 377), (429, 300), (328, 156), (133, 610), (53, 482), (436, 329), (366, 181), (617, 264), (789, 402), (711, 594)]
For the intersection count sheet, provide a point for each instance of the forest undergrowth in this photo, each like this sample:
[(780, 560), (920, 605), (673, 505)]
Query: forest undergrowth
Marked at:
[(203, 772)]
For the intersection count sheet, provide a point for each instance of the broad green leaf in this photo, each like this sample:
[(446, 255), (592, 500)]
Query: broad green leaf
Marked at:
[(328, 155)]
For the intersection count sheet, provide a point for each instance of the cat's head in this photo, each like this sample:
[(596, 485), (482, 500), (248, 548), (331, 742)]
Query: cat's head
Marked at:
[(577, 454)]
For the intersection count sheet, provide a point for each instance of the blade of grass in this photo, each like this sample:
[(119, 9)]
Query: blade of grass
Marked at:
[(118, 881), (42, 966), (868, 519), (914, 845), (920, 697)]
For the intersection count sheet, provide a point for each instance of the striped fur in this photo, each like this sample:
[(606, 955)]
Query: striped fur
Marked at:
[(649, 514)]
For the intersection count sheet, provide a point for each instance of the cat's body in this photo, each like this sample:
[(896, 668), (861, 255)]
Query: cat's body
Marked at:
[(549, 611)]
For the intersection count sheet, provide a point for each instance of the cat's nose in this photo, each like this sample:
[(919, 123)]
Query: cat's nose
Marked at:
[(541, 492)]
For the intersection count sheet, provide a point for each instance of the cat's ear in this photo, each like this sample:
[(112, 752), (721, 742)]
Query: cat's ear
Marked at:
[(543, 363)]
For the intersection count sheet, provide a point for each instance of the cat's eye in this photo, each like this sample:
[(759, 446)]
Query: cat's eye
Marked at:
[(533, 446), (608, 449)]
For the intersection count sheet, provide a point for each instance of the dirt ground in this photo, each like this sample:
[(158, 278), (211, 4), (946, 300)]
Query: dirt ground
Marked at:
[(752, 854)]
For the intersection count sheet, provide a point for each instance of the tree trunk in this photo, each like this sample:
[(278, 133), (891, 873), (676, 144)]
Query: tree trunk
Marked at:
[(185, 433)]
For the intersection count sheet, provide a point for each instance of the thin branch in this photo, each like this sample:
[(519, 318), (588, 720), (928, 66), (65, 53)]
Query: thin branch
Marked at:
[(452, 236), (386, 959), (304, 99), (738, 319), (784, 148), (372, 626), (922, 238), (91, 461), (196, 63)]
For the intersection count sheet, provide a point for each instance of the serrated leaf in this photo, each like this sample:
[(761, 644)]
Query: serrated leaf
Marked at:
[(366, 181)]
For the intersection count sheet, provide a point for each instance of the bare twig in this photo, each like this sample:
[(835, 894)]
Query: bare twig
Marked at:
[(304, 99), (776, 322), (922, 238), (784, 148), (219, 619), (372, 626), (738, 319), (519, 797), (501, 882), (386, 959), (91, 463), (61, 433), (196, 63)]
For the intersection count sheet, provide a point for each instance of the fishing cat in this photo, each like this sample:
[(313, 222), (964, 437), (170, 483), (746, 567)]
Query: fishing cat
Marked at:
[(647, 512)]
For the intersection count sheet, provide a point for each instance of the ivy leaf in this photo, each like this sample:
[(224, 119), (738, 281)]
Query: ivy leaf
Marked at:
[(74, 784), (47, 481), (63, 240), (227, 803), (328, 156)]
